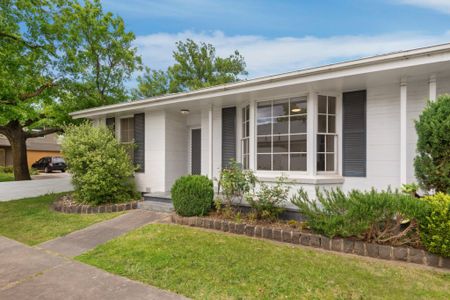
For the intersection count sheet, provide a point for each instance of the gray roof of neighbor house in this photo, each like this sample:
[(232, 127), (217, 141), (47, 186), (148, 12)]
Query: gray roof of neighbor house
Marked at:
[(245, 85), (47, 143)]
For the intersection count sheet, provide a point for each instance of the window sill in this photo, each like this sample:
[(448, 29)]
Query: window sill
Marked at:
[(302, 178)]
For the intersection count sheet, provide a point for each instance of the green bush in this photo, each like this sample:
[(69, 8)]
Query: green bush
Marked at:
[(382, 217), (435, 227), (7, 169), (432, 163), (101, 168), (192, 195), (234, 182), (267, 202)]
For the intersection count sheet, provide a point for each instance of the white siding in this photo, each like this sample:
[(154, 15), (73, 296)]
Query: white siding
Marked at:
[(176, 134)]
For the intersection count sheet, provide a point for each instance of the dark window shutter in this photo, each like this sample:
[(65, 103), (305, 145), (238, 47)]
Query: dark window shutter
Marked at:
[(354, 145), (111, 124), (228, 135), (139, 140)]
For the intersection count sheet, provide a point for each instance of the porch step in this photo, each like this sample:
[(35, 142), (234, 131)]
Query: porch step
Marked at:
[(157, 202), (156, 206)]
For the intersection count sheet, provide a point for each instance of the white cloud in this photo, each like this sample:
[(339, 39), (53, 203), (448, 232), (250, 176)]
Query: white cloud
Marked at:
[(438, 5), (266, 56)]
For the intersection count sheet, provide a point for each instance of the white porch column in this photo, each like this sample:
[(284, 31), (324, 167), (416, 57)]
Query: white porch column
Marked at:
[(433, 89), (252, 132), (403, 128), (311, 121), (210, 142)]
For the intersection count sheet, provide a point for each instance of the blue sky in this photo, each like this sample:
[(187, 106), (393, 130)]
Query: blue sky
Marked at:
[(281, 36)]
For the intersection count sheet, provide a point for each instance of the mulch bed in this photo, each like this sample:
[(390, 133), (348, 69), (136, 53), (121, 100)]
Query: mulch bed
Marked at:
[(282, 232), (66, 204)]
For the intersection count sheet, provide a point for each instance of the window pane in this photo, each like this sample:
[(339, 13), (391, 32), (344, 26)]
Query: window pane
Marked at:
[(320, 162), (331, 124), (280, 162), (298, 106), (264, 161), (264, 144), (280, 125), (264, 126), (281, 108), (330, 143), (246, 163), (244, 134), (243, 115), (322, 123), (280, 143), (331, 105), (247, 113), (320, 143), (322, 104), (298, 162), (298, 124), (330, 162), (264, 109), (298, 143), (247, 128)]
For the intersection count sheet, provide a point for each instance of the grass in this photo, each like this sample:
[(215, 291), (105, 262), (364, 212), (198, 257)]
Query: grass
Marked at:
[(31, 221), (209, 265), (6, 177)]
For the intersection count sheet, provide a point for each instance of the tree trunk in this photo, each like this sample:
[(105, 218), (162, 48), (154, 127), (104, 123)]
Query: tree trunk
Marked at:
[(17, 139)]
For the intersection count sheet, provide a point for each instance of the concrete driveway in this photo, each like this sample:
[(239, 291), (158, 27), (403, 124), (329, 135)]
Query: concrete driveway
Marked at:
[(40, 185)]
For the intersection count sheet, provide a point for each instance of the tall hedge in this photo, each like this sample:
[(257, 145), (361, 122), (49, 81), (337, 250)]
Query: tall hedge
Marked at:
[(432, 163), (101, 168)]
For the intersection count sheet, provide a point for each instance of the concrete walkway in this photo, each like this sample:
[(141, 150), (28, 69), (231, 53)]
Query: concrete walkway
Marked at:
[(13, 190), (42, 273), (83, 240)]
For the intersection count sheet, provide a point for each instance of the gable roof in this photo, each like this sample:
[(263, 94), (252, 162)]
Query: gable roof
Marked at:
[(247, 85)]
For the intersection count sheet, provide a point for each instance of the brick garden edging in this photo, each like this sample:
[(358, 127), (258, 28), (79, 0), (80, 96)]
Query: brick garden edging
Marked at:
[(60, 206), (361, 248)]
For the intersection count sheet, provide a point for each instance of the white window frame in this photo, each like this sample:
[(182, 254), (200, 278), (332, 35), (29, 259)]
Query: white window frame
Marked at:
[(255, 139), (245, 137), (336, 134)]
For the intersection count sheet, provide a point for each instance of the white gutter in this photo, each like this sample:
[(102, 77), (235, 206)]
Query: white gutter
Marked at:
[(221, 90)]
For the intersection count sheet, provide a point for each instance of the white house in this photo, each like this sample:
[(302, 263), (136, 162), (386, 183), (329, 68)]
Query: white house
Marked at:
[(348, 124)]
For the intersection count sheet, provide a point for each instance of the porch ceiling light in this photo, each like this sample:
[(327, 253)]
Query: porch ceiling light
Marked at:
[(184, 111), (296, 109)]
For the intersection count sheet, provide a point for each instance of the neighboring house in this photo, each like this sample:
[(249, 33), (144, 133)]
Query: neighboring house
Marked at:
[(36, 148), (349, 124)]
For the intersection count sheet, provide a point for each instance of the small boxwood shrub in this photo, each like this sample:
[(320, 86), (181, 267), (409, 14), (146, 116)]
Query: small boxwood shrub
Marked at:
[(384, 217), (432, 163), (435, 227), (192, 195), (101, 168)]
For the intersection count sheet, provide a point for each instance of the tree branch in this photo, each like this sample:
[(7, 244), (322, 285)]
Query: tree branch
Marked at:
[(37, 92), (42, 132), (18, 39)]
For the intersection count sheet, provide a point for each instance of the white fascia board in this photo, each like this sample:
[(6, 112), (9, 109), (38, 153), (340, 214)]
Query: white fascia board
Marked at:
[(361, 66)]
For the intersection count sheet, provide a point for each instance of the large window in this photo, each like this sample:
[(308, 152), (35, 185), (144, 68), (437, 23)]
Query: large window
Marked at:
[(326, 134), (281, 135), (127, 134), (245, 141)]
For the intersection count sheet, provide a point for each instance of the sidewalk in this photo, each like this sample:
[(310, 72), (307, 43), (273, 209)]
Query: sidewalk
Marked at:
[(42, 272)]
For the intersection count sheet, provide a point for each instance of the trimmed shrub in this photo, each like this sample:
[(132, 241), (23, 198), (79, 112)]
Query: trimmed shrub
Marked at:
[(101, 168), (432, 163), (192, 195), (267, 202), (435, 227), (382, 217)]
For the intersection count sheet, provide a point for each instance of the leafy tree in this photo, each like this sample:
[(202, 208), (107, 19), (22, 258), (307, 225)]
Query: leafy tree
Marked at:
[(57, 56), (432, 163), (196, 66)]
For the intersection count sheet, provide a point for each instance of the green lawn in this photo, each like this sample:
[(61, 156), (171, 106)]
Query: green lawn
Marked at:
[(209, 265), (31, 221), (6, 176)]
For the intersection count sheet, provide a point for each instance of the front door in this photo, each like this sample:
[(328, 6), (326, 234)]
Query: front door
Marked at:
[(196, 150)]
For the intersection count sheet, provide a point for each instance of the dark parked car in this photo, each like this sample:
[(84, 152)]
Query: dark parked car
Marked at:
[(49, 164)]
